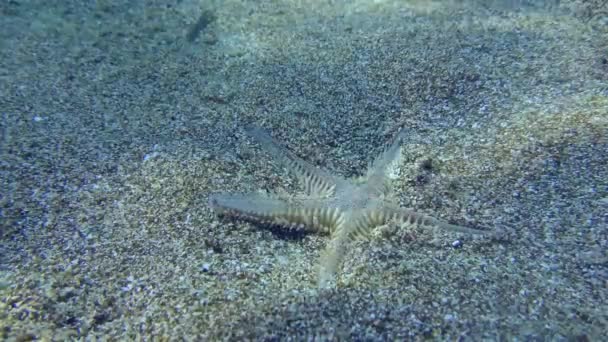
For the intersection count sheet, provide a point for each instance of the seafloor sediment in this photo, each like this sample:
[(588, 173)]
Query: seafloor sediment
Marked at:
[(119, 118)]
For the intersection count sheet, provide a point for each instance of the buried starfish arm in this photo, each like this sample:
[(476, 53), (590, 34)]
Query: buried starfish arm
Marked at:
[(314, 180)]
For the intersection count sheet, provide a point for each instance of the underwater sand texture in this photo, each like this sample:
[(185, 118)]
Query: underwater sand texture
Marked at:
[(121, 118)]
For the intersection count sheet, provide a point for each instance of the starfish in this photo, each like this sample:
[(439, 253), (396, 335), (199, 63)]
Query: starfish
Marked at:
[(346, 209)]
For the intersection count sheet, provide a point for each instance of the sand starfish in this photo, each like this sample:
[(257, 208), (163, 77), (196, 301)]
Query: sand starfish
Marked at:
[(346, 209)]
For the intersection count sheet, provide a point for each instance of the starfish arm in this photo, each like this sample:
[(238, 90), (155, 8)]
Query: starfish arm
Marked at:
[(332, 256), (316, 182), (387, 212), (310, 214), (364, 223), (377, 172)]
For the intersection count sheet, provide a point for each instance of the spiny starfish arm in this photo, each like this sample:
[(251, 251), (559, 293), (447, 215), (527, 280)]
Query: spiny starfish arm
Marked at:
[(377, 172), (316, 182), (389, 212), (364, 223), (332, 255), (254, 208)]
